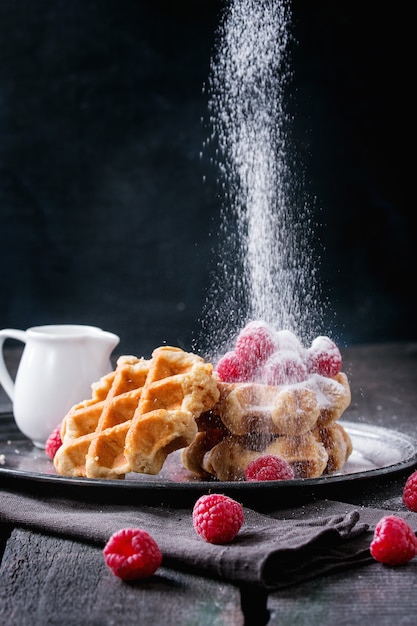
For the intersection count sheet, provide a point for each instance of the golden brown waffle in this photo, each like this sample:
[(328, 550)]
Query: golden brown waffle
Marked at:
[(228, 459), (95, 429), (149, 411), (333, 396), (178, 388), (295, 422), (287, 410), (83, 417), (337, 443), (251, 407), (193, 456)]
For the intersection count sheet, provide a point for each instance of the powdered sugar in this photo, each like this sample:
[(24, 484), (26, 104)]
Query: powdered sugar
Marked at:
[(265, 268), (278, 358)]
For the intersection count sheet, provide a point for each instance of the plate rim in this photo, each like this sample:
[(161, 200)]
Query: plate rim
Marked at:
[(238, 486)]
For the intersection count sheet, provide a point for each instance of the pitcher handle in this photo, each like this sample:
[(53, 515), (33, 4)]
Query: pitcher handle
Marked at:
[(6, 380)]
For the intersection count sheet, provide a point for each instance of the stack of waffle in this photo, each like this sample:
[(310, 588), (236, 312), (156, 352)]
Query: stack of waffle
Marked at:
[(296, 422), (146, 409)]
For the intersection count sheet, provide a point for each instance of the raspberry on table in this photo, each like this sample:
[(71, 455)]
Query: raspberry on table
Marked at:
[(54, 442), (410, 492), (394, 542), (217, 518), (269, 467), (324, 358), (131, 553)]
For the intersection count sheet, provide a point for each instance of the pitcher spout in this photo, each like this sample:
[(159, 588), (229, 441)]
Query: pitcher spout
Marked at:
[(103, 343)]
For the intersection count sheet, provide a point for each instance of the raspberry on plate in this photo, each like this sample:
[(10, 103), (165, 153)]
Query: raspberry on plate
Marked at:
[(131, 553), (269, 467), (324, 358), (284, 368), (217, 518), (255, 343), (54, 442), (410, 492), (230, 369), (394, 542), (287, 341)]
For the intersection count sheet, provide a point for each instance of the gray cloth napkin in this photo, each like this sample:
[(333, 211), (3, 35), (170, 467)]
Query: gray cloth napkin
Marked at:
[(273, 551)]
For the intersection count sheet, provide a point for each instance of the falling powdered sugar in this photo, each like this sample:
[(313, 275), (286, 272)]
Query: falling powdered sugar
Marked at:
[(264, 268)]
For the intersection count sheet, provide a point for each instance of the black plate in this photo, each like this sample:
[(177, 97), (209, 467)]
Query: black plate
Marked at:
[(377, 452)]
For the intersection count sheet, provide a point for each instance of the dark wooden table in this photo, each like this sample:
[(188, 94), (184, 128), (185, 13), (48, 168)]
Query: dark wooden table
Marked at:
[(65, 584)]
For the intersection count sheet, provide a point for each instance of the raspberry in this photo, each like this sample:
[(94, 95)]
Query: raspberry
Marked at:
[(286, 340), (230, 369), (410, 492), (131, 553), (54, 442), (324, 358), (269, 467), (217, 518), (254, 344), (394, 541), (284, 368)]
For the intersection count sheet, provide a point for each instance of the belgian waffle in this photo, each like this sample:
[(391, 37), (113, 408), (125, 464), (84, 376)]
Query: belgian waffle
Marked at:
[(228, 459), (137, 415), (287, 410), (295, 422)]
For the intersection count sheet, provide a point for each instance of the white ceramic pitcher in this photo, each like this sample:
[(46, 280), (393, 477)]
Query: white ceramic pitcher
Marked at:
[(58, 365)]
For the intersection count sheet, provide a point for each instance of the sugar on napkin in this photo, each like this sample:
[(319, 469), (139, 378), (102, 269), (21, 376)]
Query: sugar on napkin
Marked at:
[(273, 551)]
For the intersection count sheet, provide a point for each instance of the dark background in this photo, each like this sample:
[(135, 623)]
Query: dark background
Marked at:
[(108, 214)]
